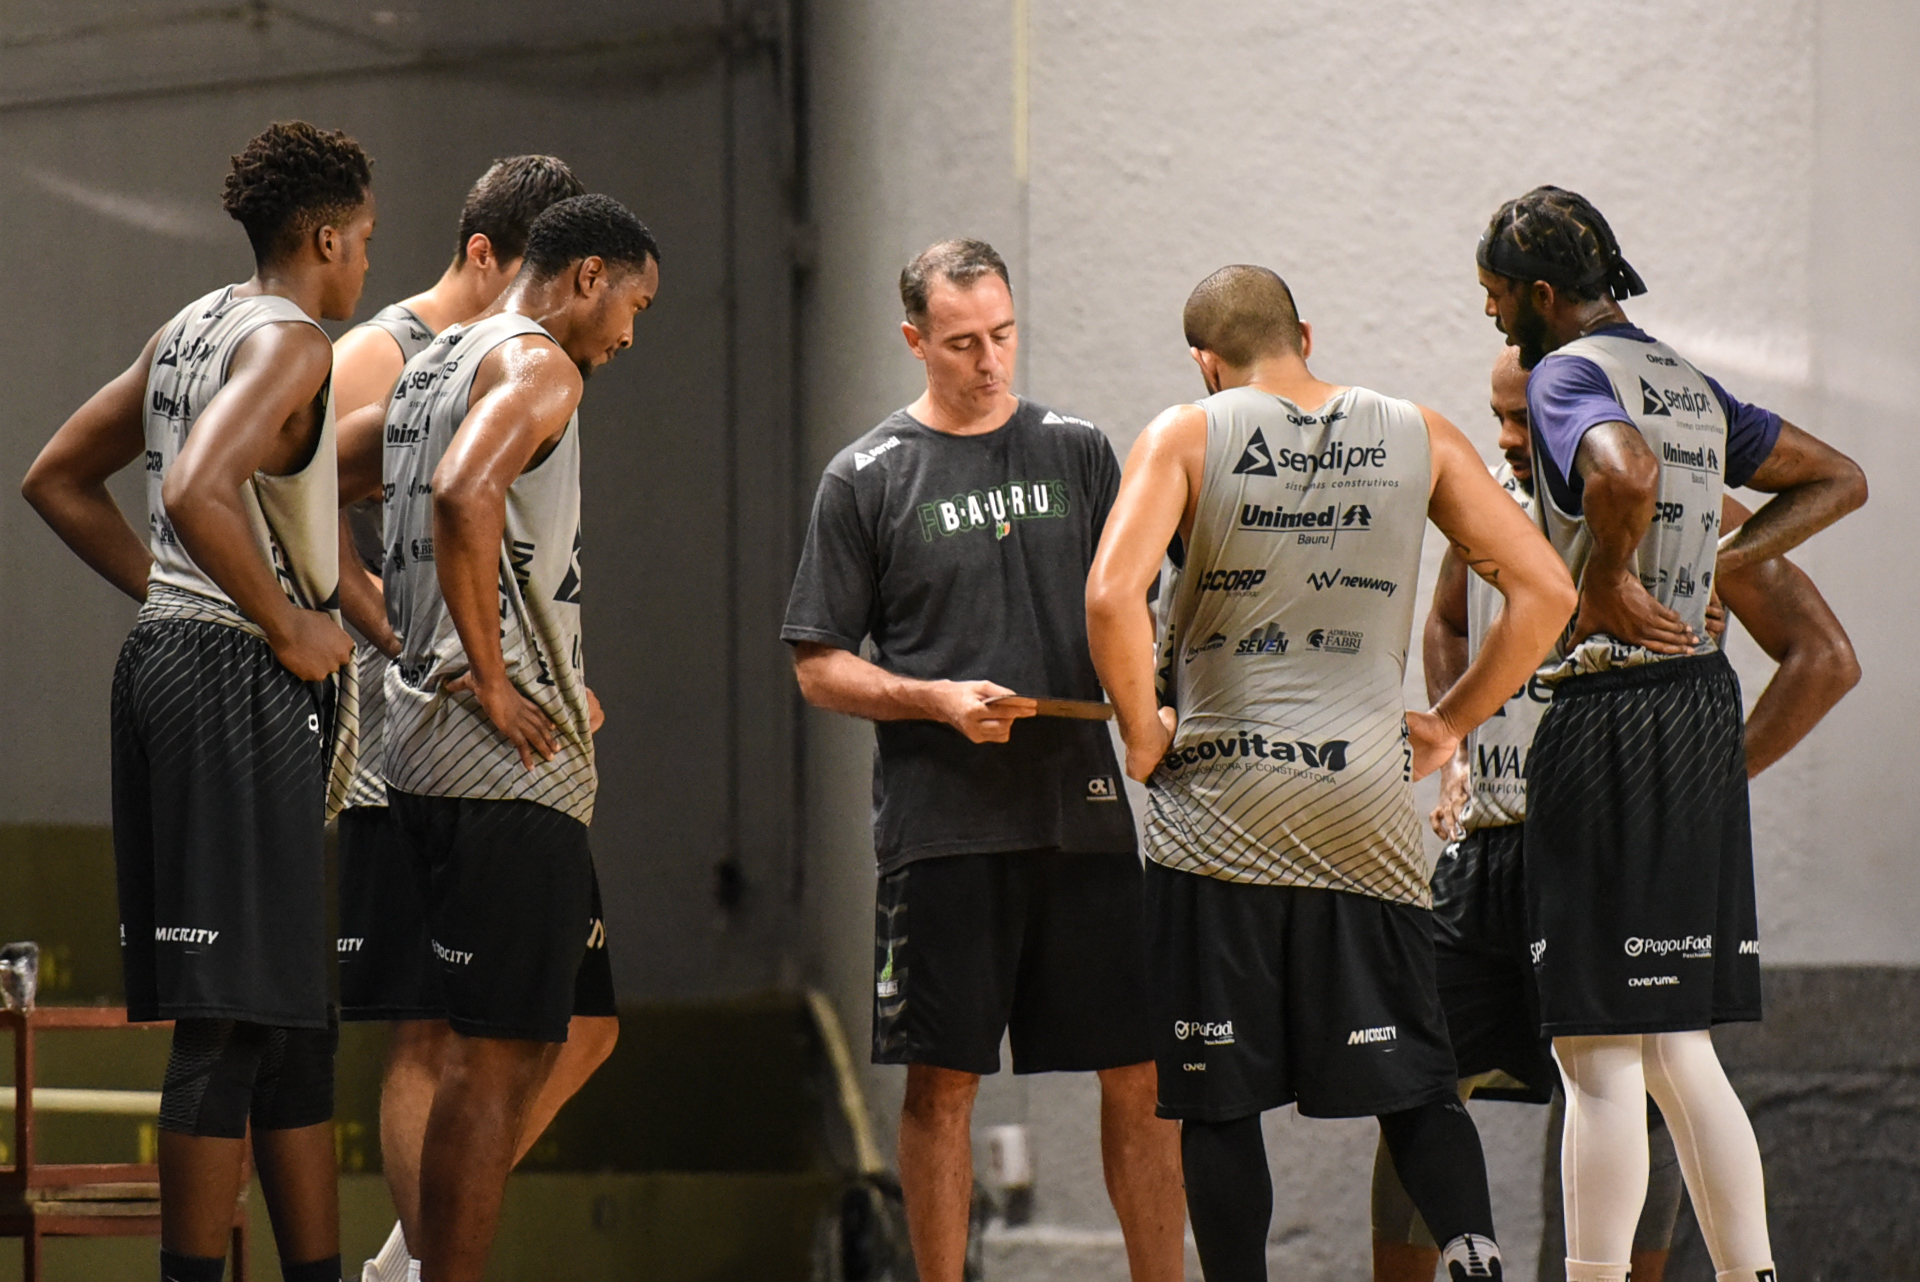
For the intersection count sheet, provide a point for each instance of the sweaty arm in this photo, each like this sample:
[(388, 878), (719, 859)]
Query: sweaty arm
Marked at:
[(841, 681), (266, 418), (1443, 655), (67, 484), (1784, 612), (1159, 491), (1621, 480), (1813, 486), (522, 397), (1493, 538)]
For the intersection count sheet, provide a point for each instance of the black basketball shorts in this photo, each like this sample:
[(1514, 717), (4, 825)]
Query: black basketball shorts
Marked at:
[(1639, 853), (509, 917), (1485, 970), (220, 760), (1269, 995), (1042, 946)]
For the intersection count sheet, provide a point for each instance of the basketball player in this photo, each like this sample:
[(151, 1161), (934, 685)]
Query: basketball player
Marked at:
[(386, 963), (956, 535), (229, 697), (1637, 851), (489, 759), (1291, 957), (1479, 897)]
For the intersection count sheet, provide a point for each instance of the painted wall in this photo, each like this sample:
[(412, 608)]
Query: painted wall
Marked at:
[(1754, 160)]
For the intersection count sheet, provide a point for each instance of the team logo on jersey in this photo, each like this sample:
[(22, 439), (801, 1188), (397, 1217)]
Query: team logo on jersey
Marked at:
[(996, 509), (183, 935), (1324, 579), (1702, 459), (1650, 402), (349, 943), (1267, 640), (1497, 761), (1373, 1036), (1102, 788), (1257, 460), (862, 458), (569, 593), (1231, 582), (1254, 748), (1213, 642), (1335, 640)]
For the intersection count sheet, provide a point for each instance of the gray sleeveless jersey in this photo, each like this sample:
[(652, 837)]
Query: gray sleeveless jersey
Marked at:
[(1497, 749), (441, 744), (1288, 645), (294, 518), (1674, 408), (364, 519)]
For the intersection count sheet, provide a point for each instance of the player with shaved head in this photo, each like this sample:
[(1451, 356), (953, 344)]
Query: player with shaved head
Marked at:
[(1291, 956), (955, 537)]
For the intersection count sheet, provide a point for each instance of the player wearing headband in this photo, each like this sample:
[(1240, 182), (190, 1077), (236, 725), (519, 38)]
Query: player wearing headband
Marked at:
[(1638, 855), (1291, 954), (956, 537), (1479, 897)]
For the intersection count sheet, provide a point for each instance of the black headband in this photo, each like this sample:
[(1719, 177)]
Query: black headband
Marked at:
[(1504, 258)]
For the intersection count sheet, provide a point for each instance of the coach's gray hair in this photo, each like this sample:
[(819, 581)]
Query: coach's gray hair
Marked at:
[(962, 261)]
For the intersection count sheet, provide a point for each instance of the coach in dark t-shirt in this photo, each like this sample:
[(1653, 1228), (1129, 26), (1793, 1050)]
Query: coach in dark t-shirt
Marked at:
[(956, 537)]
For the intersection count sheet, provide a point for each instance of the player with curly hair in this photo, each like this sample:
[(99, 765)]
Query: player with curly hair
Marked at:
[(232, 721)]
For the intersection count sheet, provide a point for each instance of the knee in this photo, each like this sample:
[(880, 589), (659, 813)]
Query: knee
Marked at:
[(939, 1094)]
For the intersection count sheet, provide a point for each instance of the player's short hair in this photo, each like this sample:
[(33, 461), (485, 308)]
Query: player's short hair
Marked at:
[(509, 196), (590, 226), (1557, 236), (962, 261), (1241, 313), (292, 179)]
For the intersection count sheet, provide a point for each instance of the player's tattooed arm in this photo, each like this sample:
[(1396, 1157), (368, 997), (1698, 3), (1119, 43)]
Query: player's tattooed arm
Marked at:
[(1443, 653), (523, 396), (1813, 486), (1620, 482), (1784, 612), (1487, 527), (1159, 490), (67, 484)]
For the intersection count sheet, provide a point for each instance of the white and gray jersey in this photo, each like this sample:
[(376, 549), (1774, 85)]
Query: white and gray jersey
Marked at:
[(1288, 640), (1498, 748), (294, 517), (1674, 408), (439, 743), (365, 519)]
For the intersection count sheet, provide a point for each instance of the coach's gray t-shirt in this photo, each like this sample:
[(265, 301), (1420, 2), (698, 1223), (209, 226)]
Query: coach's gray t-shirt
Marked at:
[(966, 558)]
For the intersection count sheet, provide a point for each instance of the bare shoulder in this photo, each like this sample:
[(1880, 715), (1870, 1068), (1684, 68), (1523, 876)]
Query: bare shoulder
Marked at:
[(1176, 429), (290, 351)]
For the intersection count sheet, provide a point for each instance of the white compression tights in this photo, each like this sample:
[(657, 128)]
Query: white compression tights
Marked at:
[(1603, 1156)]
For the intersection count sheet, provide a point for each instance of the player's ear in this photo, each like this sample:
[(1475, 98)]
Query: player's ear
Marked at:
[(480, 251), (1208, 364), (1306, 340), (328, 242), (1543, 296), (916, 341), (592, 271)]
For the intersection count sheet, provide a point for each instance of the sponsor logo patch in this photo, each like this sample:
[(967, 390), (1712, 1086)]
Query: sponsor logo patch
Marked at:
[(863, 458), (1692, 946), (1102, 788), (1209, 1032), (1372, 1036)]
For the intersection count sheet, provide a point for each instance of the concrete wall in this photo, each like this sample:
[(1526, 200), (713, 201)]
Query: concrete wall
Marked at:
[(1755, 160), (112, 152)]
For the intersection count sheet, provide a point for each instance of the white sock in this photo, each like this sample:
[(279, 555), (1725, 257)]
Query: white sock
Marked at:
[(389, 1263), (1718, 1155), (1588, 1271), (1762, 1274), (413, 1271)]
